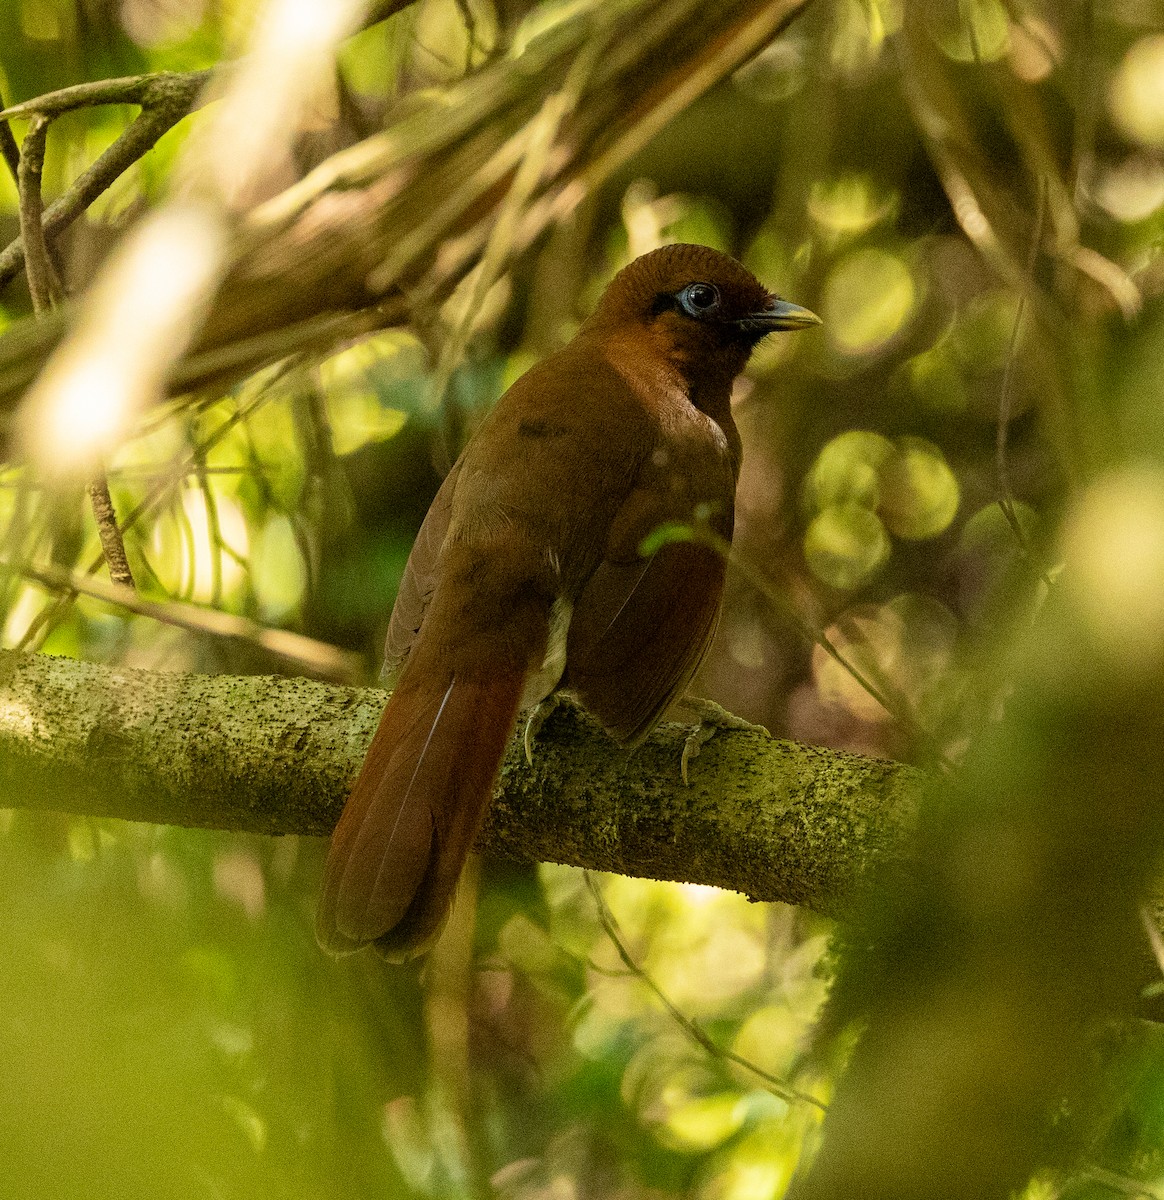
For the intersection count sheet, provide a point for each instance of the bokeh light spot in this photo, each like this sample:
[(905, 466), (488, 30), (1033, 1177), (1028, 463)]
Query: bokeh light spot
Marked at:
[(1035, 48), (847, 470), (248, 1121), (934, 376), (774, 74), (919, 491), (769, 258), (849, 205), (1136, 93), (860, 30), (701, 1122), (970, 30), (278, 573), (989, 532), (982, 335), (650, 220), (1133, 189), (238, 878), (868, 297), (845, 545), (406, 1136), (760, 1164), (366, 387), (1114, 548), (43, 20)]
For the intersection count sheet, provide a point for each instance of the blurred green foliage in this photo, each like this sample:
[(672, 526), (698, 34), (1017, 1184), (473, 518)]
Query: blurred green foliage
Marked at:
[(167, 1025)]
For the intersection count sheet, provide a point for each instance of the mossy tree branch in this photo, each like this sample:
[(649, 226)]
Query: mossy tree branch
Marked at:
[(773, 819)]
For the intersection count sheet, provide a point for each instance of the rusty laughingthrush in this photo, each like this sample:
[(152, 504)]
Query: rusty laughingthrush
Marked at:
[(527, 578)]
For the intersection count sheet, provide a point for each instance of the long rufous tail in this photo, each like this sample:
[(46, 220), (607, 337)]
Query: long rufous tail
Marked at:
[(414, 812)]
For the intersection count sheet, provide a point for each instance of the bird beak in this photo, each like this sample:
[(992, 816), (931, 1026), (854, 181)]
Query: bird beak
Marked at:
[(780, 314)]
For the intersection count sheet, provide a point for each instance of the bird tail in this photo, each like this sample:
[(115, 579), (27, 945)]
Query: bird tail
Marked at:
[(415, 810)]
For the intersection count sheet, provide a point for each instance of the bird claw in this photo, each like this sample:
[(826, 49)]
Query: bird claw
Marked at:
[(709, 719), (538, 716), (692, 744)]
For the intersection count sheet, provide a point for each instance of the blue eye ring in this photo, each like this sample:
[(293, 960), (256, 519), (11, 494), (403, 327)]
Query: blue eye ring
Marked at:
[(699, 299)]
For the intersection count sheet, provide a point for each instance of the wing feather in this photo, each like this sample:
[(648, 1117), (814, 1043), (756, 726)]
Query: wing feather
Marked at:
[(639, 632), (419, 580)]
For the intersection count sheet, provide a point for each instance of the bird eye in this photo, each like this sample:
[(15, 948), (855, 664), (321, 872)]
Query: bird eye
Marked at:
[(699, 299)]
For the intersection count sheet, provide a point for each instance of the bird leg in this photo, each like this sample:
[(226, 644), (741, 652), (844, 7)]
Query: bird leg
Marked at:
[(538, 716), (709, 718)]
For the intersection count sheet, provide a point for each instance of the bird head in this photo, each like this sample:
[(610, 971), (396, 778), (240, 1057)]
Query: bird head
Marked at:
[(697, 308)]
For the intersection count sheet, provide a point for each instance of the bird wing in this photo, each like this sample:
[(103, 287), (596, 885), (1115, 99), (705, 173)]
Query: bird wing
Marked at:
[(641, 626), (419, 580)]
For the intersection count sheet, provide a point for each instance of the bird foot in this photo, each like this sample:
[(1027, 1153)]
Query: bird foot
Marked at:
[(709, 719), (538, 716)]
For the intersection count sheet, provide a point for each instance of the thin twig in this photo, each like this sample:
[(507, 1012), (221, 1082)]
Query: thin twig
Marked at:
[(152, 579), (151, 474), (899, 712), (1155, 939), (239, 359), (46, 294), (320, 658), (112, 545), (778, 1087), (167, 105), (1110, 276), (213, 533), (42, 283), (1005, 492), (313, 431), (144, 90), (469, 20), (1123, 1184), (541, 134), (8, 147), (1087, 96), (986, 214), (48, 618), (13, 543), (993, 217)]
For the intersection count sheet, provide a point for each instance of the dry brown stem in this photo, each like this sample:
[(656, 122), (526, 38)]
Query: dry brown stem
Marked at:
[(403, 216), (111, 541), (307, 654), (165, 98), (42, 282)]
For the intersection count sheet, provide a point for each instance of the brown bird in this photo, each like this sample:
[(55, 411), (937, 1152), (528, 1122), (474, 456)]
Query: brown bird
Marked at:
[(527, 577)]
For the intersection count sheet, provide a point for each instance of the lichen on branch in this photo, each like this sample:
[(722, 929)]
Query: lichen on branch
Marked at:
[(774, 819)]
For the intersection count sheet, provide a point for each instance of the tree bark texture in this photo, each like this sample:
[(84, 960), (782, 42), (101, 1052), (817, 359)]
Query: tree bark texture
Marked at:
[(774, 819)]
